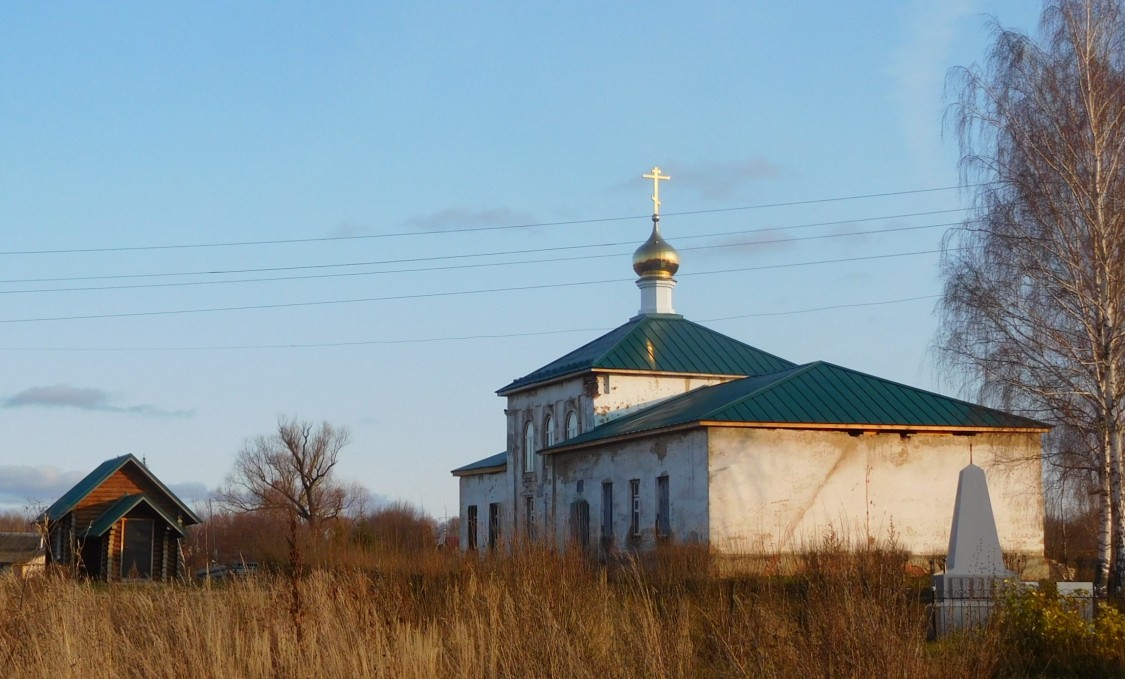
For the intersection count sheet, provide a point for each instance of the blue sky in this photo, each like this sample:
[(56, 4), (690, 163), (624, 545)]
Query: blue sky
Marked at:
[(341, 175)]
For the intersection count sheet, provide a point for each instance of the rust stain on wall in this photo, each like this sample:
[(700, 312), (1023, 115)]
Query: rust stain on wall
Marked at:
[(847, 450)]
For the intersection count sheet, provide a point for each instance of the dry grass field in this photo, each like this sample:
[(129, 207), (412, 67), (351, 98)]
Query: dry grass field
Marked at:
[(845, 614)]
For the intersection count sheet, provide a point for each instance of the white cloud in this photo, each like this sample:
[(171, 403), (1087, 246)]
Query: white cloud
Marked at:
[(714, 181), (721, 180), (26, 486), (82, 398), (22, 485), (191, 492), (459, 218)]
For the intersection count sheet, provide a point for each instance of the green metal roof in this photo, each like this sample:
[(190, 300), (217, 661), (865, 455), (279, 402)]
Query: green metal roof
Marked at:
[(812, 394), (659, 343), (122, 507), (492, 463), (72, 497)]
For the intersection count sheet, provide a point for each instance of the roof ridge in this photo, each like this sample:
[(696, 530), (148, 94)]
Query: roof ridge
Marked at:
[(794, 371), (576, 351), (95, 476), (125, 504), (98, 475), (707, 388), (818, 393), (928, 392), (681, 346)]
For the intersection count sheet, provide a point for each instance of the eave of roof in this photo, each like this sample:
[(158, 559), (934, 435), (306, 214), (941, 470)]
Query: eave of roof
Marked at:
[(812, 396), (97, 477), (489, 465), (123, 506), (657, 343)]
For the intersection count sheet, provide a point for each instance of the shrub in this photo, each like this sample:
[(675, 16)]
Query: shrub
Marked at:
[(1048, 636)]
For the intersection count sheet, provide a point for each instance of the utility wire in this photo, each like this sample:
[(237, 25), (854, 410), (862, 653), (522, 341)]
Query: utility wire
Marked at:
[(448, 293), (823, 308), (454, 338), (472, 229), (464, 266), (499, 253)]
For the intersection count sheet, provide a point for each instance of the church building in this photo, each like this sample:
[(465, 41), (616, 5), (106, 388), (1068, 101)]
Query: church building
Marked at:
[(665, 431)]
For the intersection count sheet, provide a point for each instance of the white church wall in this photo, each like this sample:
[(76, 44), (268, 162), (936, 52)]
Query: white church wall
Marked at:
[(681, 457), (775, 490), (481, 491), (594, 399), (621, 394), (558, 400), (533, 405)]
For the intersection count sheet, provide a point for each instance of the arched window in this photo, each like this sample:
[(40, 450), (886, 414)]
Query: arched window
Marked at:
[(529, 448), (571, 424), (548, 432)]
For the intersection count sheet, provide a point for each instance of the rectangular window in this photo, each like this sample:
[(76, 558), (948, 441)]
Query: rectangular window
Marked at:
[(494, 525), (607, 513), (471, 521), (136, 549), (663, 519), (635, 507)]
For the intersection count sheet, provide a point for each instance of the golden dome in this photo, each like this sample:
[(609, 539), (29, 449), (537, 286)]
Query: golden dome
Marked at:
[(656, 258)]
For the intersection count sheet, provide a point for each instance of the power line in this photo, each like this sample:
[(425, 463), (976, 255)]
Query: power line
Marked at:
[(448, 293), (766, 267), (463, 266), (472, 229), (498, 253), (824, 308), (454, 338)]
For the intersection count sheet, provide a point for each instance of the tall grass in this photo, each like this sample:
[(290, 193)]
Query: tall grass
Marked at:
[(534, 614)]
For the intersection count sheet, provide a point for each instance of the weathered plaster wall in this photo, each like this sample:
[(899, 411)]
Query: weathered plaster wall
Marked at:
[(776, 490), (618, 395), (482, 490), (594, 399), (682, 457), (533, 405)]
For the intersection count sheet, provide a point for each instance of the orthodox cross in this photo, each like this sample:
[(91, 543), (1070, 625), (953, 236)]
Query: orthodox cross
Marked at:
[(655, 176)]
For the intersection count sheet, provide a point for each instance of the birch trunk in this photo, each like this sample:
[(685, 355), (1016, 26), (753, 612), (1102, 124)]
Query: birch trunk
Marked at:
[(1105, 532), (1035, 285)]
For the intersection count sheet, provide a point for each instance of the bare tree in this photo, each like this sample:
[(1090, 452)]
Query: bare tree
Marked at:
[(291, 471), (1034, 299)]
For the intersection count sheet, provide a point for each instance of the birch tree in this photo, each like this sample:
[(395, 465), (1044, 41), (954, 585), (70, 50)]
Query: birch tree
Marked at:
[(1033, 307), (290, 470)]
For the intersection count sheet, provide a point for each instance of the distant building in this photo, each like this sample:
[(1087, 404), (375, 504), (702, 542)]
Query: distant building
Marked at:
[(119, 523), (22, 553), (663, 430)]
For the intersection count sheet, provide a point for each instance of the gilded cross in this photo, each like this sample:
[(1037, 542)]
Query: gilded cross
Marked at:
[(655, 176)]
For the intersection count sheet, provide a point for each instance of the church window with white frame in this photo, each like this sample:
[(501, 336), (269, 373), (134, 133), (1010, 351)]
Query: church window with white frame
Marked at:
[(571, 424), (548, 432), (529, 448)]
